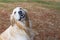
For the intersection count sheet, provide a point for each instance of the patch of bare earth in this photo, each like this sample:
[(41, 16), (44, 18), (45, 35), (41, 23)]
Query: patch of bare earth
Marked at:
[(45, 21)]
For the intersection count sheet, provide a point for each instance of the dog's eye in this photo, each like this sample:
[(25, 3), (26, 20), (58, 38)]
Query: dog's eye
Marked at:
[(14, 12)]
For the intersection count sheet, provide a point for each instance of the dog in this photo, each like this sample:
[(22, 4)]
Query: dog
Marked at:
[(19, 28)]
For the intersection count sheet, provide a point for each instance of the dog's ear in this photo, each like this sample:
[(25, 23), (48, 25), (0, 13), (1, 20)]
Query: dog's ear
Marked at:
[(12, 20), (26, 15), (26, 18)]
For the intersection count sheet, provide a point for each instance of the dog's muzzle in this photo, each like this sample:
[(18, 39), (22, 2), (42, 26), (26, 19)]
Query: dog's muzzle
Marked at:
[(21, 15)]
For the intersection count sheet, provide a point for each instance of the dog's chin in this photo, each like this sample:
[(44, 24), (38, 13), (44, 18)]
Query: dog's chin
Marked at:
[(19, 19), (22, 17)]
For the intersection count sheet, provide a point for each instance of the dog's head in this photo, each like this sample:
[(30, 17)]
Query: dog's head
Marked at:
[(18, 14)]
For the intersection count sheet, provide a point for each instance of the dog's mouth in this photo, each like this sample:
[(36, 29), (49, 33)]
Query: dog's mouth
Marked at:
[(22, 17)]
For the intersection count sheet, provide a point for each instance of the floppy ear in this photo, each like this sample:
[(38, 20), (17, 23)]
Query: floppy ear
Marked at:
[(12, 20), (26, 19)]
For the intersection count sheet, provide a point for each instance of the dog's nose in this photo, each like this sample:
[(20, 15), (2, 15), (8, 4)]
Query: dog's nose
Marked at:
[(20, 12)]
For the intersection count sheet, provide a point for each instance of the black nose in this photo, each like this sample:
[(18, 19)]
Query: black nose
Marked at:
[(20, 12)]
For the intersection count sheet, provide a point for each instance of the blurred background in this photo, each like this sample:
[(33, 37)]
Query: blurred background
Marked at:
[(44, 14)]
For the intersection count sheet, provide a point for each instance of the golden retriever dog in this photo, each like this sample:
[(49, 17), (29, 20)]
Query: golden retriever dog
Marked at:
[(20, 28)]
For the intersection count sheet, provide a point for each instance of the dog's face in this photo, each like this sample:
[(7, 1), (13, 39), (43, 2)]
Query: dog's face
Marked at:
[(18, 13)]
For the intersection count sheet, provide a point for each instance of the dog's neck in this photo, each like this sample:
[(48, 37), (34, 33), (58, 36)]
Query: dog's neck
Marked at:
[(25, 22), (20, 25)]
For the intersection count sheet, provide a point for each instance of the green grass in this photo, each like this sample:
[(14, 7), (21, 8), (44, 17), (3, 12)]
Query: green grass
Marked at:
[(6, 1), (49, 4), (54, 5)]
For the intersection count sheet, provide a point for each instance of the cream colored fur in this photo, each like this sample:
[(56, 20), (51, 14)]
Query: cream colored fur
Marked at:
[(15, 32)]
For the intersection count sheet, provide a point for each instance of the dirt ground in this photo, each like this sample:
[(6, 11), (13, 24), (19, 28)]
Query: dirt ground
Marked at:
[(45, 21)]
